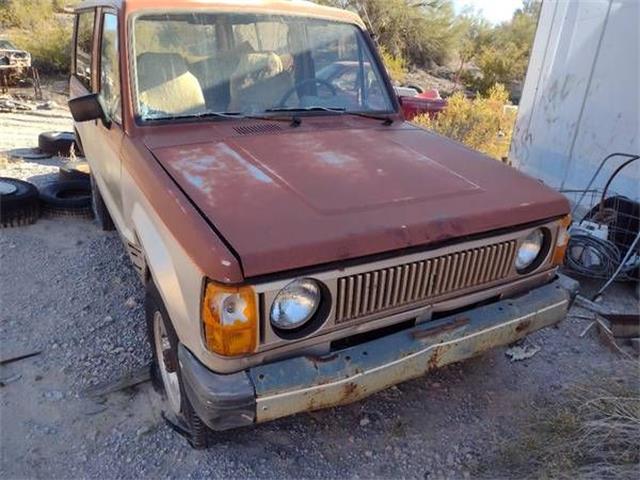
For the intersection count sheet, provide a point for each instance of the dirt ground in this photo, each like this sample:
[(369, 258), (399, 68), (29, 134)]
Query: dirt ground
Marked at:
[(67, 291)]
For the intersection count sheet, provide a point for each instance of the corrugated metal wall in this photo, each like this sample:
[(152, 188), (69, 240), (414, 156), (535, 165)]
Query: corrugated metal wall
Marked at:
[(581, 98)]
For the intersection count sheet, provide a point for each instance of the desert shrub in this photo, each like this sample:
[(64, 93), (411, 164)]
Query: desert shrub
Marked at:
[(50, 48), (25, 14), (420, 31), (501, 53), (592, 432), (505, 64), (396, 65), (483, 123)]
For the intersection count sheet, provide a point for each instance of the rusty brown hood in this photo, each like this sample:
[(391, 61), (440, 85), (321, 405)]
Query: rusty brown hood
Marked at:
[(311, 196)]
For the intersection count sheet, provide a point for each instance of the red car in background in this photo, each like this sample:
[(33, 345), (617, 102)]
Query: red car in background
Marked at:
[(413, 102), (428, 102)]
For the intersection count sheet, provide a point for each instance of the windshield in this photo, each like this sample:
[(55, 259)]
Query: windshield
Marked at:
[(199, 64), (6, 45)]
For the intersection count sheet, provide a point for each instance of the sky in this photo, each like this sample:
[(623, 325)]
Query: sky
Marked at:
[(495, 11)]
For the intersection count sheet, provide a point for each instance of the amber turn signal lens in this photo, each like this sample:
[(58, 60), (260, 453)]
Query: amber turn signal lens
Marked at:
[(562, 241), (230, 319)]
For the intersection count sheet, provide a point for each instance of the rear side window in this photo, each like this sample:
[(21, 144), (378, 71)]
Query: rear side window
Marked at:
[(84, 47), (109, 67)]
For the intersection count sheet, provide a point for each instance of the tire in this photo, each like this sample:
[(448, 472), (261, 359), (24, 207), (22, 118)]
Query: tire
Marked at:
[(79, 148), (78, 170), (19, 203), (100, 212), (166, 376), (72, 198), (57, 143)]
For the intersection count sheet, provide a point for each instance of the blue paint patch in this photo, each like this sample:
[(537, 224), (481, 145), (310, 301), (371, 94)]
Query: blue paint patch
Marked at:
[(252, 169), (336, 159)]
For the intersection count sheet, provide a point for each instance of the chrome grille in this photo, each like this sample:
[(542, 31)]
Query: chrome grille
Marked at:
[(372, 292)]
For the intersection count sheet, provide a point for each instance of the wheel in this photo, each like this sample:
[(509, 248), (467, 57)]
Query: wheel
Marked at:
[(166, 368), (71, 198), (19, 204), (79, 149), (57, 143), (77, 170), (99, 208), (102, 215)]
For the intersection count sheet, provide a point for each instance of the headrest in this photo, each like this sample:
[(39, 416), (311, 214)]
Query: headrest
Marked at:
[(259, 65), (154, 69)]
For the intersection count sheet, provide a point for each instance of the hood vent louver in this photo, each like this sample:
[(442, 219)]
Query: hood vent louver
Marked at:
[(258, 128)]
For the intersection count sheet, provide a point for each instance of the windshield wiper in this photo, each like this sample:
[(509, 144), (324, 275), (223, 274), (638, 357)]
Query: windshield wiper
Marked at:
[(295, 122), (387, 120)]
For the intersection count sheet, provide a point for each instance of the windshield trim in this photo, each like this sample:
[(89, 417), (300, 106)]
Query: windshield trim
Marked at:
[(264, 116), (363, 36)]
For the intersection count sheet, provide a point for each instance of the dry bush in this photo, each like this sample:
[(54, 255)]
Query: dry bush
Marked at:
[(483, 123), (594, 433), (396, 65), (50, 45)]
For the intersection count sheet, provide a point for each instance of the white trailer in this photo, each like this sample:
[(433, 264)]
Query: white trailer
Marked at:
[(580, 101)]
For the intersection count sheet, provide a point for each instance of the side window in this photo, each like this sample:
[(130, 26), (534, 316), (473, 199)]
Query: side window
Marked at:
[(84, 44), (110, 67)]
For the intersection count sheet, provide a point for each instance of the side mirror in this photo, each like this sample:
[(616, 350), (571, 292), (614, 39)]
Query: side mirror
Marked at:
[(90, 107)]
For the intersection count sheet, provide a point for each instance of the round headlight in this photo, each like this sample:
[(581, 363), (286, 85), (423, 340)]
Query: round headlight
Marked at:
[(530, 250), (296, 304)]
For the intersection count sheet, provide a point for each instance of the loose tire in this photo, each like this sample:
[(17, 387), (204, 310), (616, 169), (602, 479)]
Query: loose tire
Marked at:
[(19, 203), (78, 170), (102, 215), (165, 370), (72, 198), (57, 143)]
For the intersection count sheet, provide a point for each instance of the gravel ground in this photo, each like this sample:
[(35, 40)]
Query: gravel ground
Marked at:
[(67, 289)]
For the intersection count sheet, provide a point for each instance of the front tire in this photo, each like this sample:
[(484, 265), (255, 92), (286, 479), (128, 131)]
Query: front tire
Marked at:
[(99, 208), (166, 368)]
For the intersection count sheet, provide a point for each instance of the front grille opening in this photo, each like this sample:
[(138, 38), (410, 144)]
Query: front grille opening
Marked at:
[(365, 337), (461, 310), (368, 293)]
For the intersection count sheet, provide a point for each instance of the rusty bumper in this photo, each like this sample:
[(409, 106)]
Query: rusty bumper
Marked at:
[(308, 383)]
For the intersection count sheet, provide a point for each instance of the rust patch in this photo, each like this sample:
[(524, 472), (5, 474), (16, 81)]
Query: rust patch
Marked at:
[(523, 327), (436, 357), (349, 392), (323, 359), (441, 329)]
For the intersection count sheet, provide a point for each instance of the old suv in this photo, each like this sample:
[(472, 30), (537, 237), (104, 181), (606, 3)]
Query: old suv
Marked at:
[(302, 246), (12, 60)]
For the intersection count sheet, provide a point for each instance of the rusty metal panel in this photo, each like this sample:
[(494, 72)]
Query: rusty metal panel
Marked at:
[(310, 383), (333, 204), (416, 282)]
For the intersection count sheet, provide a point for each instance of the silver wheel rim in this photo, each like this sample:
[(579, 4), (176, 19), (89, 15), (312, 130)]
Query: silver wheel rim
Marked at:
[(169, 379)]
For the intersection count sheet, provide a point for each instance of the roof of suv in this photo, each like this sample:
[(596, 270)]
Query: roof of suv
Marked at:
[(283, 7)]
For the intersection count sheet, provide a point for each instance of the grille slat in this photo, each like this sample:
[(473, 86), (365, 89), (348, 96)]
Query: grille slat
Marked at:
[(368, 293)]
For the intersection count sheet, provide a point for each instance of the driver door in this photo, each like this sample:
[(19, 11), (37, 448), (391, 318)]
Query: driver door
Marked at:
[(103, 146)]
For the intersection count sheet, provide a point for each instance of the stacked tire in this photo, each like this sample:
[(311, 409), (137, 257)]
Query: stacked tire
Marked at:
[(22, 204), (69, 198), (19, 203), (57, 143)]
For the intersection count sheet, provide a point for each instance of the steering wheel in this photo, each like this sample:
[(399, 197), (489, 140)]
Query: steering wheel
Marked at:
[(309, 81)]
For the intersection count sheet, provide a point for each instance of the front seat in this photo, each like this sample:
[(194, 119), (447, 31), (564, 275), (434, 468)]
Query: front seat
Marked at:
[(259, 82), (165, 84)]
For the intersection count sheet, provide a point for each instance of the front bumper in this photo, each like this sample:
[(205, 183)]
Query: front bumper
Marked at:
[(306, 383)]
